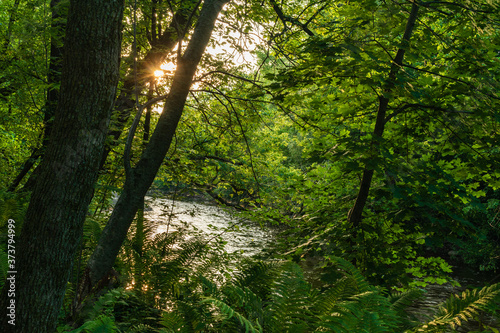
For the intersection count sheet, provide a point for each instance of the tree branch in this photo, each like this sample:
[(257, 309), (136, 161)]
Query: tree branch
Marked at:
[(292, 20)]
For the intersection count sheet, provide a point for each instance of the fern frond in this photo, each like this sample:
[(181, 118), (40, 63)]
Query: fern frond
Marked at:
[(196, 315), (102, 324), (459, 309), (353, 316), (209, 288), (228, 312), (354, 273), (91, 231), (371, 322), (401, 301), (142, 328), (106, 302), (336, 323), (289, 305), (168, 264), (246, 301), (172, 322), (258, 276), (341, 290), (373, 302), (12, 206)]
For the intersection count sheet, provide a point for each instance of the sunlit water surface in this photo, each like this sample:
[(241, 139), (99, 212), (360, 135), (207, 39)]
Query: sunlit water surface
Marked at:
[(243, 236)]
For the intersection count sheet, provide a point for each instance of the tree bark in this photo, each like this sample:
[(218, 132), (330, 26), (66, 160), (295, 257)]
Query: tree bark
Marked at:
[(140, 178), (355, 215), (59, 202)]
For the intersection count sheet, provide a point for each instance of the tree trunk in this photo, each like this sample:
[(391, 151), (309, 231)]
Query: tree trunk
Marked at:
[(356, 213), (140, 178), (59, 202)]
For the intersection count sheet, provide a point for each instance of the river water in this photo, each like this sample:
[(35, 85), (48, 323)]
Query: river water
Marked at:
[(244, 236)]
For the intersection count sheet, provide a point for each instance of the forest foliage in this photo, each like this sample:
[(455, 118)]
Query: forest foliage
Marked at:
[(301, 116)]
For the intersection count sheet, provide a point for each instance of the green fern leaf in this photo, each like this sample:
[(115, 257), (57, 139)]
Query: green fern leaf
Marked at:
[(354, 273), (102, 324), (229, 313), (459, 309)]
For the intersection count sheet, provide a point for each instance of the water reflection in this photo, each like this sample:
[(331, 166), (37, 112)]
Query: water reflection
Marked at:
[(243, 236)]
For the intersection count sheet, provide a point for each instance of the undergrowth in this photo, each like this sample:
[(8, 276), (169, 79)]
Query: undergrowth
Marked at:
[(183, 282), (271, 296)]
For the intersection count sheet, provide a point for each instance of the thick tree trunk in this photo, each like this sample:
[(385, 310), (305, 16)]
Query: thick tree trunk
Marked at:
[(141, 177), (54, 220), (356, 213)]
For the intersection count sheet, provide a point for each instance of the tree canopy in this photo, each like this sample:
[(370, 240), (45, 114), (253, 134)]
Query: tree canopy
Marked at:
[(364, 131)]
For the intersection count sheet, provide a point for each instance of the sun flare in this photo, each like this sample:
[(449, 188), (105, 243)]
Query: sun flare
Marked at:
[(168, 67)]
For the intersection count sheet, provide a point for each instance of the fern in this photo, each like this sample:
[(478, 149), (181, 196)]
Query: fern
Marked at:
[(228, 312), (349, 269), (258, 276), (459, 309), (12, 206), (142, 328), (91, 232), (172, 322), (401, 301), (365, 312), (183, 276), (288, 307), (340, 290), (106, 302), (352, 305), (371, 322), (285, 302), (101, 324)]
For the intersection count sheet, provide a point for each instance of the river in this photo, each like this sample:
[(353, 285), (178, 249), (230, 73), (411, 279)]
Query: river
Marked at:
[(244, 236)]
